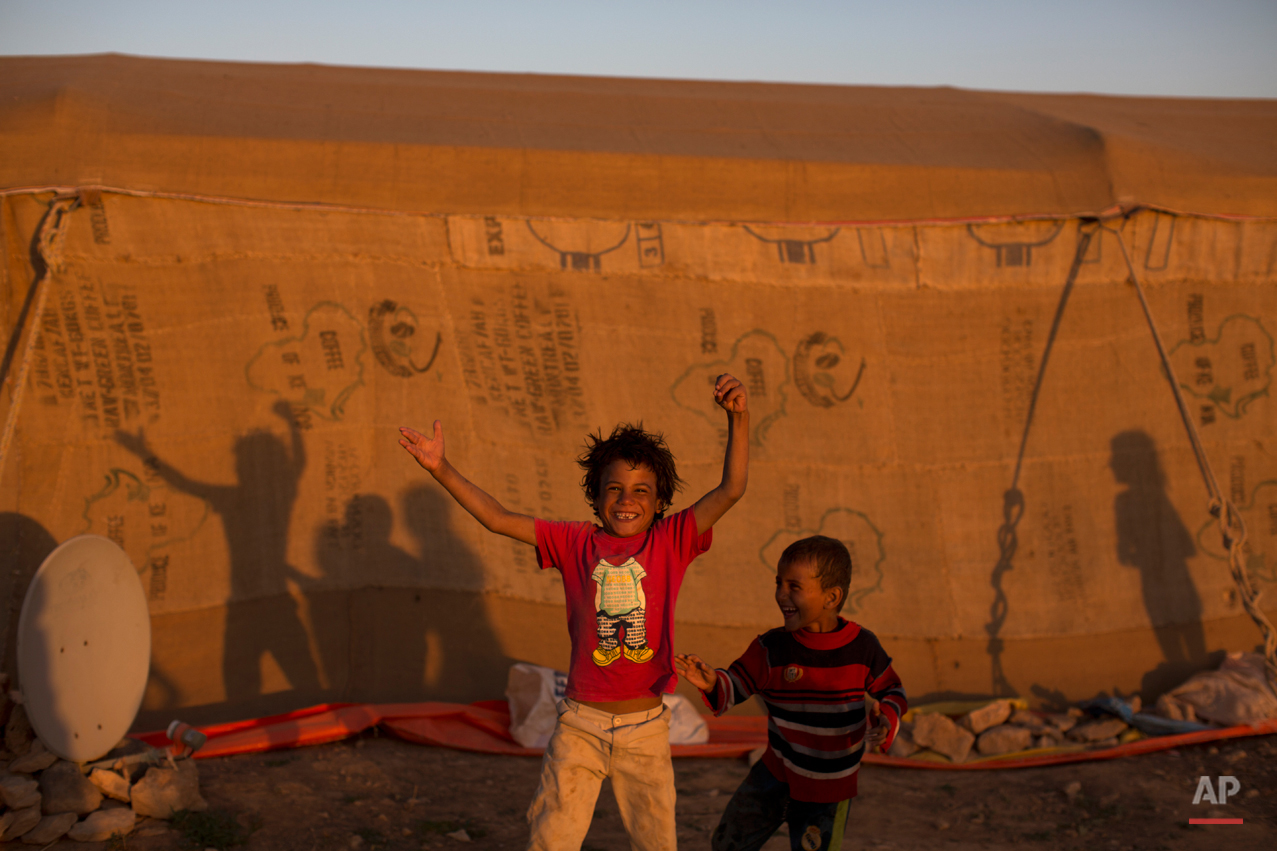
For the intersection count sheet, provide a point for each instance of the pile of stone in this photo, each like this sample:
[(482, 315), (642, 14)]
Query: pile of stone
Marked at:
[(1002, 728), (46, 798)]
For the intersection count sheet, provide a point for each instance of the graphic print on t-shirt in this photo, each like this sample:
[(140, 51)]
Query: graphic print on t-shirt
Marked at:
[(621, 606)]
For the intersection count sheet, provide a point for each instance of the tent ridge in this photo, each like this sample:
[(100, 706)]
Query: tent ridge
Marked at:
[(1112, 211), (661, 150)]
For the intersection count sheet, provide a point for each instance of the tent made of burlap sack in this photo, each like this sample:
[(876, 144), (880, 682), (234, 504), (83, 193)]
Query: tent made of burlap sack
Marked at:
[(226, 286)]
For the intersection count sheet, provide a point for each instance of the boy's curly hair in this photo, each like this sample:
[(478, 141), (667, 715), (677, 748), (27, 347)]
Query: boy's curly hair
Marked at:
[(830, 557), (634, 446)]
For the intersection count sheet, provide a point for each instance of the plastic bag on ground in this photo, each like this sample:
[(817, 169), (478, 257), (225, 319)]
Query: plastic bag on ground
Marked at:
[(534, 692), (1237, 693), (1145, 722), (687, 726)]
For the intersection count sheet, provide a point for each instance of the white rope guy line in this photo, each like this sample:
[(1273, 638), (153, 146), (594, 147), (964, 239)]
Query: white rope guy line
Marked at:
[(1231, 526), (49, 232)]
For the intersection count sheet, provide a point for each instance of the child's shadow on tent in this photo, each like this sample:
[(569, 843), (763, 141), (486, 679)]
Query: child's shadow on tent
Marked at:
[(404, 638), (1152, 538), (262, 616), (24, 545)]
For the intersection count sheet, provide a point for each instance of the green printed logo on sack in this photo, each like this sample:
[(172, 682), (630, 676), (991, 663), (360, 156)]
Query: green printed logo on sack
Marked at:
[(823, 372), (1232, 370), (398, 342), (318, 369), (863, 541), (759, 362)]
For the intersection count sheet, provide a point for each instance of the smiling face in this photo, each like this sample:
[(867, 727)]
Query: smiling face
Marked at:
[(803, 603), (627, 503)]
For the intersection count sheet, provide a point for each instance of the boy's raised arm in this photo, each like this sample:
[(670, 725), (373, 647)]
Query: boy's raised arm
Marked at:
[(730, 396), (428, 451)]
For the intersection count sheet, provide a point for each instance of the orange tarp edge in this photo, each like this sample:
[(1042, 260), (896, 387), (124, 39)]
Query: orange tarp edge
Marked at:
[(1035, 759), (484, 727)]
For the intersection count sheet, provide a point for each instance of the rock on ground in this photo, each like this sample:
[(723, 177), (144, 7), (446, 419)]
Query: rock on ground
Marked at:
[(1097, 730), (1004, 738), (37, 758), (23, 820), (979, 720), (903, 745), (18, 791), (163, 791), (66, 790), (111, 784), (104, 824), (1062, 722), (937, 732), (1025, 718), (49, 829)]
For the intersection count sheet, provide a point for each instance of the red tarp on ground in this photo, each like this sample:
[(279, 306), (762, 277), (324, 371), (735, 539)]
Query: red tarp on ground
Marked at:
[(484, 727)]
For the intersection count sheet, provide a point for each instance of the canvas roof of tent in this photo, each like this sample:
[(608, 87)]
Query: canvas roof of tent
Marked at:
[(622, 148)]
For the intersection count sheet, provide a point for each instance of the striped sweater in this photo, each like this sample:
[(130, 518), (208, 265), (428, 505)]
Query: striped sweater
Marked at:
[(814, 686)]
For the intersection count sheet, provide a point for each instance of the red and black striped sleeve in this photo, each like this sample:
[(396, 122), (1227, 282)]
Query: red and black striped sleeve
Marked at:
[(743, 678), (885, 687)]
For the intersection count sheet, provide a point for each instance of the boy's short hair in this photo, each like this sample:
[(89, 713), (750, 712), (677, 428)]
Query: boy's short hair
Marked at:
[(634, 446), (831, 558)]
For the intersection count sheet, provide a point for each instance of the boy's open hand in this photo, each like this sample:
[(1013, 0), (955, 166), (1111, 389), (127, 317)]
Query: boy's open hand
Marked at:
[(875, 737), (695, 671), (427, 450), (729, 393)]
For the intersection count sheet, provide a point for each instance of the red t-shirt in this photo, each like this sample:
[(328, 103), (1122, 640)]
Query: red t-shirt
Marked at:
[(615, 582)]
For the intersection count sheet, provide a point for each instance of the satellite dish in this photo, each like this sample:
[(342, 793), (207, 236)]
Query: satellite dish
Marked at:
[(84, 648)]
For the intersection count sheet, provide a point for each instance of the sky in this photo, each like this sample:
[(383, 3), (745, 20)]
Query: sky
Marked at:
[(1225, 48)]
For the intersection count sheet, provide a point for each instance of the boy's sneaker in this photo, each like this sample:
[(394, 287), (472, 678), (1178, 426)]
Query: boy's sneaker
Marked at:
[(640, 655), (603, 657)]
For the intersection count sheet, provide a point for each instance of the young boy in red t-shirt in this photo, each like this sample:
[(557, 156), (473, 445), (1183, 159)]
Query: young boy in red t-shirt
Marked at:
[(621, 580), (816, 675)]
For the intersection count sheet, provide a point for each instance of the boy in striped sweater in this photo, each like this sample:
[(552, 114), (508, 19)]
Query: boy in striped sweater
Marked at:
[(814, 675)]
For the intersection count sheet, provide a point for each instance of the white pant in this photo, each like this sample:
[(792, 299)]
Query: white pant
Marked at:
[(588, 745)]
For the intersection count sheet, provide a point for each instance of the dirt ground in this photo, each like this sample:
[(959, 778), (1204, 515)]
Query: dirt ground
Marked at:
[(375, 792)]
